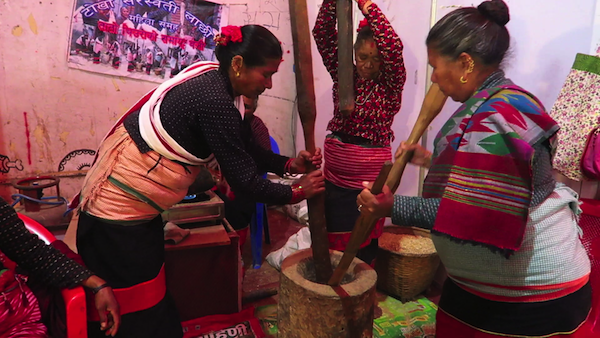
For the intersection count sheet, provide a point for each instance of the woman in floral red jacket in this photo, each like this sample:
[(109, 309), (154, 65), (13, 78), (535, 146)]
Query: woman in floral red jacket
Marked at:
[(359, 143)]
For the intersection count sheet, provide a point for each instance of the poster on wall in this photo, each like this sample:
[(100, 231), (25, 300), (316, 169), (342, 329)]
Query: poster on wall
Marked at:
[(143, 39)]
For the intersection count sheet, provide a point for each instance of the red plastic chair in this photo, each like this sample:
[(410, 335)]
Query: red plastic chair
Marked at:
[(590, 225), (75, 305)]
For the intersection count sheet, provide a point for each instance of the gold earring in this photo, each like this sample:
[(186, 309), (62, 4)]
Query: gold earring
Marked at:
[(469, 71), (237, 74), (471, 66)]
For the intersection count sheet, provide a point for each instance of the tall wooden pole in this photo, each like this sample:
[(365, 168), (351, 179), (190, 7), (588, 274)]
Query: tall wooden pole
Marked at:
[(307, 110), (345, 53)]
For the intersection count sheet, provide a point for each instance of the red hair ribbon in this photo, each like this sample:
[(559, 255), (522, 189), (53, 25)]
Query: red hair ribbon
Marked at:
[(229, 33), (362, 24)]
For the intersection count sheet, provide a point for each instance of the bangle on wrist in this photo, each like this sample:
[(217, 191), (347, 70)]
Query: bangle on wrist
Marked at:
[(361, 4), (98, 288), (298, 194), (288, 166)]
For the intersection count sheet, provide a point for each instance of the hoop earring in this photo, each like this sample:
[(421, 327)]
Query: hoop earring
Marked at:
[(463, 80)]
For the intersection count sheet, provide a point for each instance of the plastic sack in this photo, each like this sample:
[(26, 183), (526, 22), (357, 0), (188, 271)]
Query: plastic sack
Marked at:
[(237, 325), (298, 241), (298, 212)]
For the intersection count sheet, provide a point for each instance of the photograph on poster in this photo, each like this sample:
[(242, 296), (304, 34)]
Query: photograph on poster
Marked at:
[(144, 39)]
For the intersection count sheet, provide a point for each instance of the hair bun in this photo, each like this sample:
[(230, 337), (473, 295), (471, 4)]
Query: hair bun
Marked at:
[(495, 10)]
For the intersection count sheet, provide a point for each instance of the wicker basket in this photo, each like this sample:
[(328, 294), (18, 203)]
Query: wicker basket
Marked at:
[(405, 275)]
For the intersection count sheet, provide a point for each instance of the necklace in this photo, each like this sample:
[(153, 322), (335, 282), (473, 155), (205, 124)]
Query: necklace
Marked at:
[(368, 95)]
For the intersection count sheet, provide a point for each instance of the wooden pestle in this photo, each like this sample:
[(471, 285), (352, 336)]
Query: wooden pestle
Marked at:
[(432, 105)]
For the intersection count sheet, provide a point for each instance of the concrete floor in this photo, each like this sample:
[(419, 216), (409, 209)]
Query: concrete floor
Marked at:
[(260, 285)]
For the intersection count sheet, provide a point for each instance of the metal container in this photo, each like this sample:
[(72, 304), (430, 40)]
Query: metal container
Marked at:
[(193, 212)]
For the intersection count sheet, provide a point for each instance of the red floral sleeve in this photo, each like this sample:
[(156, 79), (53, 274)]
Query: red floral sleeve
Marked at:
[(326, 37), (390, 47)]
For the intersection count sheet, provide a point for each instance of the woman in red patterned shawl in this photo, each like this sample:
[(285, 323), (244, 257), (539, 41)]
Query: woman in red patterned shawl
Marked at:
[(497, 216), (359, 142)]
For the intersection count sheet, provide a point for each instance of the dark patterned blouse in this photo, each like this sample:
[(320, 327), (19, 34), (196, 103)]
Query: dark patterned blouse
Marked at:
[(377, 101), (33, 255), (200, 115)]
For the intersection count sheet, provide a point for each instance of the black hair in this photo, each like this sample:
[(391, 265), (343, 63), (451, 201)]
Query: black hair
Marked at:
[(480, 32), (364, 34), (258, 44)]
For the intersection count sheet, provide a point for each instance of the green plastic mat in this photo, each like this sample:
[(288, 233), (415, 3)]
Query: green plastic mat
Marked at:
[(393, 319)]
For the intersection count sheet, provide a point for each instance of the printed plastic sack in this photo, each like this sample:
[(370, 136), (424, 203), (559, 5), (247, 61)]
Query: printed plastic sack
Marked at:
[(267, 315), (394, 319), (238, 325)]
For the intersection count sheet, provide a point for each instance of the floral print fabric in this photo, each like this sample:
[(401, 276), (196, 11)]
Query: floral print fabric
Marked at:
[(577, 111)]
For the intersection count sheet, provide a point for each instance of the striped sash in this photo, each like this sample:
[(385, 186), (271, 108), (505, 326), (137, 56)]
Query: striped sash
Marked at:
[(482, 167), (348, 165)]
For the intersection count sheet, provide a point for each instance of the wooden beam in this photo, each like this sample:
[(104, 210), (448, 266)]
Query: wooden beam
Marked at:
[(307, 109), (345, 53)]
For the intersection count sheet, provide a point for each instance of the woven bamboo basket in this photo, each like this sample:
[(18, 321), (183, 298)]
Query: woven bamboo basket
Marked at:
[(405, 275)]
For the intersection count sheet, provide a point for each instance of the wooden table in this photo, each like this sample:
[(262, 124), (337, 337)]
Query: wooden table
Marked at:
[(204, 272)]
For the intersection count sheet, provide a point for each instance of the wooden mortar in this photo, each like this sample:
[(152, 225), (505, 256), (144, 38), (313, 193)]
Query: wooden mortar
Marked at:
[(307, 309)]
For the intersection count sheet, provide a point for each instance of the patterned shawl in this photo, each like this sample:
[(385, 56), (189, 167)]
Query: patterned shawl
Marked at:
[(482, 167)]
